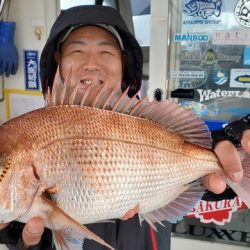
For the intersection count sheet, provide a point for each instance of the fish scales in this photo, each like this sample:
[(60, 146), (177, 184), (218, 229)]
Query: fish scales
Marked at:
[(149, 145), (98, 164), (112, 187), (122, 161), (94, 123)]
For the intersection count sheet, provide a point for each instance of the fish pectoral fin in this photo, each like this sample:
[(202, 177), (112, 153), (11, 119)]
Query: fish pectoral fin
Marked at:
[(68, 233), (131, 212), (53, 190), (176, 209)]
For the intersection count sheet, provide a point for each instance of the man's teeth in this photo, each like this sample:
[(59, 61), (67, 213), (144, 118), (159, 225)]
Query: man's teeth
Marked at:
[(87, 81)]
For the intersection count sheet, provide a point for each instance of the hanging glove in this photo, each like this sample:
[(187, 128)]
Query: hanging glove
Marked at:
[(8, 50)]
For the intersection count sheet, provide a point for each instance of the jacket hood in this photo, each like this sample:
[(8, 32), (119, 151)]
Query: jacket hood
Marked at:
[(91, 15)]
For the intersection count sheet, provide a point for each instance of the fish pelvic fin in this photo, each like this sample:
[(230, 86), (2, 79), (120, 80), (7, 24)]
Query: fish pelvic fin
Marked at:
[(176, 209), (68, 234), (242, 189), (168, 114)]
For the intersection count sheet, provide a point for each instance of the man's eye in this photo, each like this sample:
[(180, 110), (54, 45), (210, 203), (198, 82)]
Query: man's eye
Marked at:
[(106, 52), (76, 51)]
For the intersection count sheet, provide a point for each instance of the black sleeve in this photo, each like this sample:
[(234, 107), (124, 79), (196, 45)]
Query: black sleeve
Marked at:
[(232, 132), (11, 237)]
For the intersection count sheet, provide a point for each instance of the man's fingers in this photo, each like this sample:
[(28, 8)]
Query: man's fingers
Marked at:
[(214, 183), (33, 231), (4, 225), (230, 160), (245, 141)]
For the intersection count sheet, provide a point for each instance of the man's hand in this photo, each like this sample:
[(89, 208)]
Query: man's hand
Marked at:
[(231, 162), (32, 232)]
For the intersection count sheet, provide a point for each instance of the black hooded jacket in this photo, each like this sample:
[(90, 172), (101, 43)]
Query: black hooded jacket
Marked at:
[(89, 15)]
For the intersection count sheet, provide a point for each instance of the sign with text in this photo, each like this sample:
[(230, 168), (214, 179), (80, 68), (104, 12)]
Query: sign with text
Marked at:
[(31, 65)]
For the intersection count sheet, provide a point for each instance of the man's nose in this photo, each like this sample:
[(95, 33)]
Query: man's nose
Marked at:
[(92, 62)]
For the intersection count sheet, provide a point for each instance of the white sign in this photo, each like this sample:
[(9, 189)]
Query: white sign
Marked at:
[(231, 37), (240, 78)]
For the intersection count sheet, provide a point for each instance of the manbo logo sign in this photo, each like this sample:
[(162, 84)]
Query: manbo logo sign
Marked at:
[(191, 38)]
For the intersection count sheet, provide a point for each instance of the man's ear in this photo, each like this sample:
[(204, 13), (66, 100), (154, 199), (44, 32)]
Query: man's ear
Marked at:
[(57, 57)]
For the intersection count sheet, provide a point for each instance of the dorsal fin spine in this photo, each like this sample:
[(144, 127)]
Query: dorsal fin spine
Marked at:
[(152, 111), (55, 87), (119, 100), (159, 112), (48, 98), (65, 86), (73, 94), (95, 101), (167, 114), (124, 110), (117, 86), (85, 95), (137, 105)]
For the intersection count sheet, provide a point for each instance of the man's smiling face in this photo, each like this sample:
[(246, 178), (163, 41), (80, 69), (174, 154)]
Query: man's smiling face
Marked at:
[(94, 54)]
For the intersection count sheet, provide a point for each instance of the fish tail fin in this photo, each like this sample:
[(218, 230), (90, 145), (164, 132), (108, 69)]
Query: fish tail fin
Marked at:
[(68, 233), (242, 189)]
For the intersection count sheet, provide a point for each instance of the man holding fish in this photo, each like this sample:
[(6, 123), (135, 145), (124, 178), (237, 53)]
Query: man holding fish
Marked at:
[(94, 43)]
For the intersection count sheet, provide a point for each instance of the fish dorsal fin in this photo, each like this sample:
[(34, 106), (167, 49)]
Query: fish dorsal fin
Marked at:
[(168, 114)]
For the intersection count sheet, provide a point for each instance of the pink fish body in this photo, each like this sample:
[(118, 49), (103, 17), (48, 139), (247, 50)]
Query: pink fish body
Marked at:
[(97, 163)]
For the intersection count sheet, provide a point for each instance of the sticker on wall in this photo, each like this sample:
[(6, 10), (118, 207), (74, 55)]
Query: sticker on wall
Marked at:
[(242, 12), (231, 37), (191, 38), (204, 12), (209, 94), (190, 76), (240, 78), (246, 56), (219, 77), (197, 56), (218, 212), (19, 101), (198, 108), (31, 69), (209, 58)]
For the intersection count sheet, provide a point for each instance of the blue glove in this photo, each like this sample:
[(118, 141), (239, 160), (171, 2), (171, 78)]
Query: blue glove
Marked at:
[(8, 50)]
